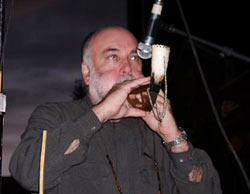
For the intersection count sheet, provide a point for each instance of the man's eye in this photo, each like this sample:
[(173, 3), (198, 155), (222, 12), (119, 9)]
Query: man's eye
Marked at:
[(134, 58), (112, 57)]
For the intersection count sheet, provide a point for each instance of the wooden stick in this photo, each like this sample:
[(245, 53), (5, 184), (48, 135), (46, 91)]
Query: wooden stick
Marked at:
[(42, 158)]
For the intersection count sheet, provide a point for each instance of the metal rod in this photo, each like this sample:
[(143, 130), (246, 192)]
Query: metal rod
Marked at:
[(224, 51)]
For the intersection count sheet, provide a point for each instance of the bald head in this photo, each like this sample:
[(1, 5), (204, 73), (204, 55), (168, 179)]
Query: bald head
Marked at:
[(99, 35), (95, 35), (112, 31)]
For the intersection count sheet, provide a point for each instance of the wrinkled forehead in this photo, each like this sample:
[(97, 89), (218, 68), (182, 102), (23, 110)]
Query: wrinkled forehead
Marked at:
[(116, 38)]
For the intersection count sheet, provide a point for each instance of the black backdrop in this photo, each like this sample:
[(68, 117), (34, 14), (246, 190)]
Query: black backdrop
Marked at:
[(224, 24)]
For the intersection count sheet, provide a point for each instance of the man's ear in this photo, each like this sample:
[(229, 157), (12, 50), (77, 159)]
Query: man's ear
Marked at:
[(85, 73)]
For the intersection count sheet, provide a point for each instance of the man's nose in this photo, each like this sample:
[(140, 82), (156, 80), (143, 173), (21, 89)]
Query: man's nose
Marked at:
[(126, 68)]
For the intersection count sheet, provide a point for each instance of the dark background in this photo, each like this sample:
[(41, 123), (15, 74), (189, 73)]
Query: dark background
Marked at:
[(224, 24), (42, 61)]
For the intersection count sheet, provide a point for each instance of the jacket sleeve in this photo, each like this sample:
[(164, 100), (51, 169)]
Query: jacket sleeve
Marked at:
[(24, 165), (183, 163)]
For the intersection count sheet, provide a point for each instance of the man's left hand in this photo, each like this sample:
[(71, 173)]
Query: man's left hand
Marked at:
[(167, 128)]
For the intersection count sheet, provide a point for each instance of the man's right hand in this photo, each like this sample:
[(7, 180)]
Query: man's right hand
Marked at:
[(115, 105)]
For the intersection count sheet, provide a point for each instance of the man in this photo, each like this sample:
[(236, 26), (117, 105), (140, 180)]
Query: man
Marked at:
[(101, 144)]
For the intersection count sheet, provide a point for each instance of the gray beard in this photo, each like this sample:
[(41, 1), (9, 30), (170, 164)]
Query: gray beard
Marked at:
[(101, 94)]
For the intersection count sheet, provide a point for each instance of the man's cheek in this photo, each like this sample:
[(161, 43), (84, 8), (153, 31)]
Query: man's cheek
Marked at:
[(138, 74), (108, 83)]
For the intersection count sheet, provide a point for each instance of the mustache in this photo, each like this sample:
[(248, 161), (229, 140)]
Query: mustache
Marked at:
[(125, 78)]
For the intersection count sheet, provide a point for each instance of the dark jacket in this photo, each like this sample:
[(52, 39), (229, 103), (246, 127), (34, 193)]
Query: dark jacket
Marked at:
[(130, 145)]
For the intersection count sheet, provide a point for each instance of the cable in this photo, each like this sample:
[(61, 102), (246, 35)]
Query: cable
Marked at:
[(210, 98)]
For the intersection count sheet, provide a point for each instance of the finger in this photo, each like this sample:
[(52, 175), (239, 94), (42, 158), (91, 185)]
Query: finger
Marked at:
[(160, 99), (161, 93), (137, 83), (158, 108), (169, 105), (135, 112), (130, 109)]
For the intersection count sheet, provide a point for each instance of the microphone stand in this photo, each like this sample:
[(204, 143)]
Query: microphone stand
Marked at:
[(224, 51)]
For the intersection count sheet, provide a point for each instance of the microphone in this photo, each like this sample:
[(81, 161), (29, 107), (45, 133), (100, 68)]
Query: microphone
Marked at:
[(144, 49)]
